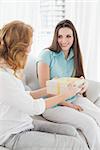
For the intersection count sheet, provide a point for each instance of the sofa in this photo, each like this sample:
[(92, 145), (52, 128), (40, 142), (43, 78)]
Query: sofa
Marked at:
[(31, 82), (93, 93)]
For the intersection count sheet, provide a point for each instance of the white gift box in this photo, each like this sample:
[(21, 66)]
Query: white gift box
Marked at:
[(60, 85)]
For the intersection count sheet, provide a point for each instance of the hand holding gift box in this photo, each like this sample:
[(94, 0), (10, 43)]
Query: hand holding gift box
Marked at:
[(60, 85)]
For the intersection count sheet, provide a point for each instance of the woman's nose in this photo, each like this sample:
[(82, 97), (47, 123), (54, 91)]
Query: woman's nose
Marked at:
[(64, 40)]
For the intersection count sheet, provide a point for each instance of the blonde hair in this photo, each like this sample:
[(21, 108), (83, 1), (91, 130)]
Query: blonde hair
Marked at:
[(15, 37)]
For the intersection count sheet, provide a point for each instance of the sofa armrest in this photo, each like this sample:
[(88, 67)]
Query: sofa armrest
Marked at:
[(93, 91)]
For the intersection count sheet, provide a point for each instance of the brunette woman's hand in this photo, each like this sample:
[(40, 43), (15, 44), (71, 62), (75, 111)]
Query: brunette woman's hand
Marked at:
[(72, 90), (84, 86), (76, 107)]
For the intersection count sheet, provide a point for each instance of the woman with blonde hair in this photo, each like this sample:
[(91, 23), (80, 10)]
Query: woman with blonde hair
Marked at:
[(16, 105)]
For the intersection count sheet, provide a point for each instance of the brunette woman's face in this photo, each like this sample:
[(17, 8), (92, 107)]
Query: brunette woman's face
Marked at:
[(65, 38)]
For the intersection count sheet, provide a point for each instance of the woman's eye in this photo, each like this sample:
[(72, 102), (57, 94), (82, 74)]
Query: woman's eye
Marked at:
[(68, 36), (59, 36)]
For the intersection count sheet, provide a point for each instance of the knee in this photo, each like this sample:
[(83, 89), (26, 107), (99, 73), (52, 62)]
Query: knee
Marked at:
[(90, 125)]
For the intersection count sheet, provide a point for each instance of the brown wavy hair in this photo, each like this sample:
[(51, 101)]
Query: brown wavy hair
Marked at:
[(15, 37)]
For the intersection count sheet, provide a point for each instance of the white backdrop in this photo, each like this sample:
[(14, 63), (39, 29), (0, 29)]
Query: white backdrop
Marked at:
[(25, 10), (85, 16), (83, 13)]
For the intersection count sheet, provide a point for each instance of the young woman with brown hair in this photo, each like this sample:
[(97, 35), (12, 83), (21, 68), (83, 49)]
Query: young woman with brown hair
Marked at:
[(63, 59)]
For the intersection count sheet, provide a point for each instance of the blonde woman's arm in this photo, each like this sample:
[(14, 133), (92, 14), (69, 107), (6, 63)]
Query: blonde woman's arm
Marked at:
[(39, 93), (58, 99), (43, 73)]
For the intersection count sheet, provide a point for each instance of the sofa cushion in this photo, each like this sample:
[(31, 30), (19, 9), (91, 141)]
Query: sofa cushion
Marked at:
[(43, 125), (30, 79), (93, 91)]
